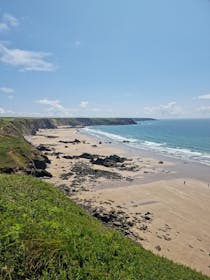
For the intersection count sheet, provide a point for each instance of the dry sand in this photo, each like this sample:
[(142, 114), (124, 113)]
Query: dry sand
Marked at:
[(178, 226)]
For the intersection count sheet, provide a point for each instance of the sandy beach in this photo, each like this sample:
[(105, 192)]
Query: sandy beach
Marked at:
[(161, 203)]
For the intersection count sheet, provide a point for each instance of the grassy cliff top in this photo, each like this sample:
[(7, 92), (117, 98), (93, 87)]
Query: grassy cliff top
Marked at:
[(43, 235)]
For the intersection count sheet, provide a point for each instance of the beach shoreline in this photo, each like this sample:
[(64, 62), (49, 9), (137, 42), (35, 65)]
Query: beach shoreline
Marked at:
[(160, 202)]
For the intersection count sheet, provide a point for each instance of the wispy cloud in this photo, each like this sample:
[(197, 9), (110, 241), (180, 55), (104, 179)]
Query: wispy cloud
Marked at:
[(84, 104), (204, 110), (167, 110), (7, 90), (53, 107), (4, 111), (51, 102), (7, 22), (26, 60), (205, 96)]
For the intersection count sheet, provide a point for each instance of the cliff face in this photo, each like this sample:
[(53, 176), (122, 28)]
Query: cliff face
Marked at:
[(30, 126), (16, 154)]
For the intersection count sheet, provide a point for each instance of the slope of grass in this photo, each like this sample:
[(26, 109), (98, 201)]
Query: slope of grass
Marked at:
[(43, 235), (15, 152)]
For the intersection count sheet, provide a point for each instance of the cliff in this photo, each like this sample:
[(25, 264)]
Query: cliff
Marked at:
[(31, 125)]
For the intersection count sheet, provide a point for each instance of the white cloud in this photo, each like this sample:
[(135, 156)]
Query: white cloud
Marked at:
[(168, 110), (204, 110), (54, 107), (25, 60), (206, 96), (4, 111), (7, 22), (6, 90), (51, 102), (10, 97), (10, 20), (84, 104)]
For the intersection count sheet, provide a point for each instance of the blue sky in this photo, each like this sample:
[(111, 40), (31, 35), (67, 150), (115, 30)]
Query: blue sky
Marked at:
[(105, 58)]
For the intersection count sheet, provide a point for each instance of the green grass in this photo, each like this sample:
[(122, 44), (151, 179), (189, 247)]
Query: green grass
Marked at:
[(15, 152), (44, 235)]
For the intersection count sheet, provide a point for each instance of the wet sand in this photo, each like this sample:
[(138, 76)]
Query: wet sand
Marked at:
[(164, 202)]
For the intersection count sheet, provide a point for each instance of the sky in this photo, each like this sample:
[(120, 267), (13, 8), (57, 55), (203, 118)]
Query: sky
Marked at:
[(95, 58)]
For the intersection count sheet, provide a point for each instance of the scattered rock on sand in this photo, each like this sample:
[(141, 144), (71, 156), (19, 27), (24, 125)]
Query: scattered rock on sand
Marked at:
[(42, 148), (109, 161), (83, 170), (158, 248), (75, 141)]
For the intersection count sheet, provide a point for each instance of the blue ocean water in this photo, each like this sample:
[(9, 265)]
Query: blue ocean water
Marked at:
[(185, 139)]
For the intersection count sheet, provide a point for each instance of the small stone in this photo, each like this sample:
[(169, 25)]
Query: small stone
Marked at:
[(117, 224), (158, 248), (130, 223), (143, 227)]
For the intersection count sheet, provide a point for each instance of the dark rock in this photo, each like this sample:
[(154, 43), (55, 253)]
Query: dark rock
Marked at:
[(75, 141), (68, 157), (65, 176), (88, 156), (110, 161), (55, 154), (158, 248), (7, 170), (116, 158), (42, 148), (84, 170), (46, 159), (103, 162), (130, 224), (51, 136), (40, 163), (143, 227), (42, 173), (33, 131), (167, 238), (160, 162)]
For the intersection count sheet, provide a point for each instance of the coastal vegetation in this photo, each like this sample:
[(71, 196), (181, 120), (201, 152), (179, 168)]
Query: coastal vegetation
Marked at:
[(44, 235)]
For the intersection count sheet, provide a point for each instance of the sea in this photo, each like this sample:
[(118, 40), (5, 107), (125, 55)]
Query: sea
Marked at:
[(183, 139)]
